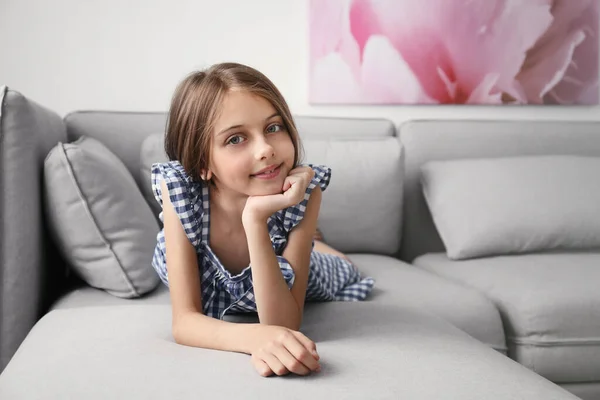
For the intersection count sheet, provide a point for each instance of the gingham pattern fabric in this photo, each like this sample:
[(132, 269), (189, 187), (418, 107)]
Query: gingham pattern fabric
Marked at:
[(330, 277)]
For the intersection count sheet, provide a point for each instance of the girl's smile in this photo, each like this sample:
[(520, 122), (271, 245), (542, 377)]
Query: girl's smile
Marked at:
[(270, 172)]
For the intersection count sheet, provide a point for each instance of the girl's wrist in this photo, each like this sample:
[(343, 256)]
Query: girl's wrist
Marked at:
[(251, 220), (249, 337)]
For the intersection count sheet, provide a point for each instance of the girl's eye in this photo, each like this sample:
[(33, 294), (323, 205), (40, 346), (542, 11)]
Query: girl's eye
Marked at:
[(274, 128), (235, 140)]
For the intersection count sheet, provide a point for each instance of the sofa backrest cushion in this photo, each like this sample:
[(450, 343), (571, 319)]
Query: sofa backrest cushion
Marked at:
[(362, 207), (426, 140), (514, 205)]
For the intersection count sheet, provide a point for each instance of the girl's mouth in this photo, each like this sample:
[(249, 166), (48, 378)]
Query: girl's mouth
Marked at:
[(270, 174)]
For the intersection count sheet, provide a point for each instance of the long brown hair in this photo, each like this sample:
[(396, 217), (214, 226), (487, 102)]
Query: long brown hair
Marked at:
[(195, 108)]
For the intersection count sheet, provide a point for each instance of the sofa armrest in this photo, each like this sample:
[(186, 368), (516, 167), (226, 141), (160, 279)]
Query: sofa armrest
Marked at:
[(27, 132)]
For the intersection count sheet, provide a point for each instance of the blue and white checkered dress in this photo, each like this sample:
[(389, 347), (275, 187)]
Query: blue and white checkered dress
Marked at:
[(330, 277)]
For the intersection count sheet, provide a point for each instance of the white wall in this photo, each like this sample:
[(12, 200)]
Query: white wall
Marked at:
[(129, 55)]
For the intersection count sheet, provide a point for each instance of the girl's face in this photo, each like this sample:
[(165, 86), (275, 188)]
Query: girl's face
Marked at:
[(249, 137)]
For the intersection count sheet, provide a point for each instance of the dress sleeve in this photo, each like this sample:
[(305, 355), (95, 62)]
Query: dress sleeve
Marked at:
[(294, 214), (185, 195)]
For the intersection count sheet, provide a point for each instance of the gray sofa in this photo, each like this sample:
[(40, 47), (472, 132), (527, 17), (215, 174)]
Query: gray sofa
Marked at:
[(433, 328)]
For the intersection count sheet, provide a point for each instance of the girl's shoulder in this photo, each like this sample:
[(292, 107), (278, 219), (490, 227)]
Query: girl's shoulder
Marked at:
[(176, 178), (187, 196), (170, 171)]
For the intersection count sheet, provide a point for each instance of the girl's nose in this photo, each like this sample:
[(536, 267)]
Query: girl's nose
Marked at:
[(264, 150)]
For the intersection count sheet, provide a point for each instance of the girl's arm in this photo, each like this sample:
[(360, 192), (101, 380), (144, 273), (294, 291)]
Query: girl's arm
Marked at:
[(189, 325), (274, 349), (276, 303)]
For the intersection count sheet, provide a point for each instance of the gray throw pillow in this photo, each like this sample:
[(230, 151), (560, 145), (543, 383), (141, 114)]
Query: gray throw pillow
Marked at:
[(499, 206), (99, 219)]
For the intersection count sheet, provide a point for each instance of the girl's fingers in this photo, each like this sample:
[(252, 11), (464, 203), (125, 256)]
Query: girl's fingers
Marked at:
[(274, 363), (296, 182), (261, 366), (303, 354), (290, 362), (292, 189), (305, 173), (307, 343), (299, 170), (288, 182)]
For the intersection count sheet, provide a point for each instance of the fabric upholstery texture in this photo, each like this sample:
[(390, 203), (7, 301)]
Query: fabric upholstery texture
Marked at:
[(31, 272), (423, 333), (129, 352), (510, 205), (397, 284), (364, 171), (550, 307), (99, 218), (451, 139)]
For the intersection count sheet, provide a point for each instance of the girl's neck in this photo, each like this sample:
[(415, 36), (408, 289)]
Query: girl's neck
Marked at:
[(228, 206)]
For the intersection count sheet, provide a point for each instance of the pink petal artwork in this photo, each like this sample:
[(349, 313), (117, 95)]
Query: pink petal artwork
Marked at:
[(454, 52)]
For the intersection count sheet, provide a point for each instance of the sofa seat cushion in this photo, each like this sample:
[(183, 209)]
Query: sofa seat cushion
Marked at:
[(583, 390), (550, 306), (83, 295), (128, 352), (397, 283)]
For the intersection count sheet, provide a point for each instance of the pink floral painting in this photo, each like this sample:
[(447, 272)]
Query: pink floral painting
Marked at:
[(454, 52)]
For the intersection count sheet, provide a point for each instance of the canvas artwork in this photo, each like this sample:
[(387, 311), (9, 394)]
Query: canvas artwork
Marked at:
[(454, 52)]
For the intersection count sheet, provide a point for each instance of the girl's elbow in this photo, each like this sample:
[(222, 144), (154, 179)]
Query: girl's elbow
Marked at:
[(177, 333), (179, 329), (293, 323)]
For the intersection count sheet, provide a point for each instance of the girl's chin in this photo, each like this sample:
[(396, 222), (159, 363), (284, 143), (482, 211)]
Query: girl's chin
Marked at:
[(259, 188), (264, 191)]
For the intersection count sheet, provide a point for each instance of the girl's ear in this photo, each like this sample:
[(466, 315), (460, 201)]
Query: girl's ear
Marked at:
[(206, 175)]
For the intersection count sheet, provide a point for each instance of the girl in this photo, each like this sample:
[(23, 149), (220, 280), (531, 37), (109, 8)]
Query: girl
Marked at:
[(239, 218)]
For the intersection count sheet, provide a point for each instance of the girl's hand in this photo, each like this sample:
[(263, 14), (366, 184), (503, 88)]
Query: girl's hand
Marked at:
[(295, 184), (278, 350)]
